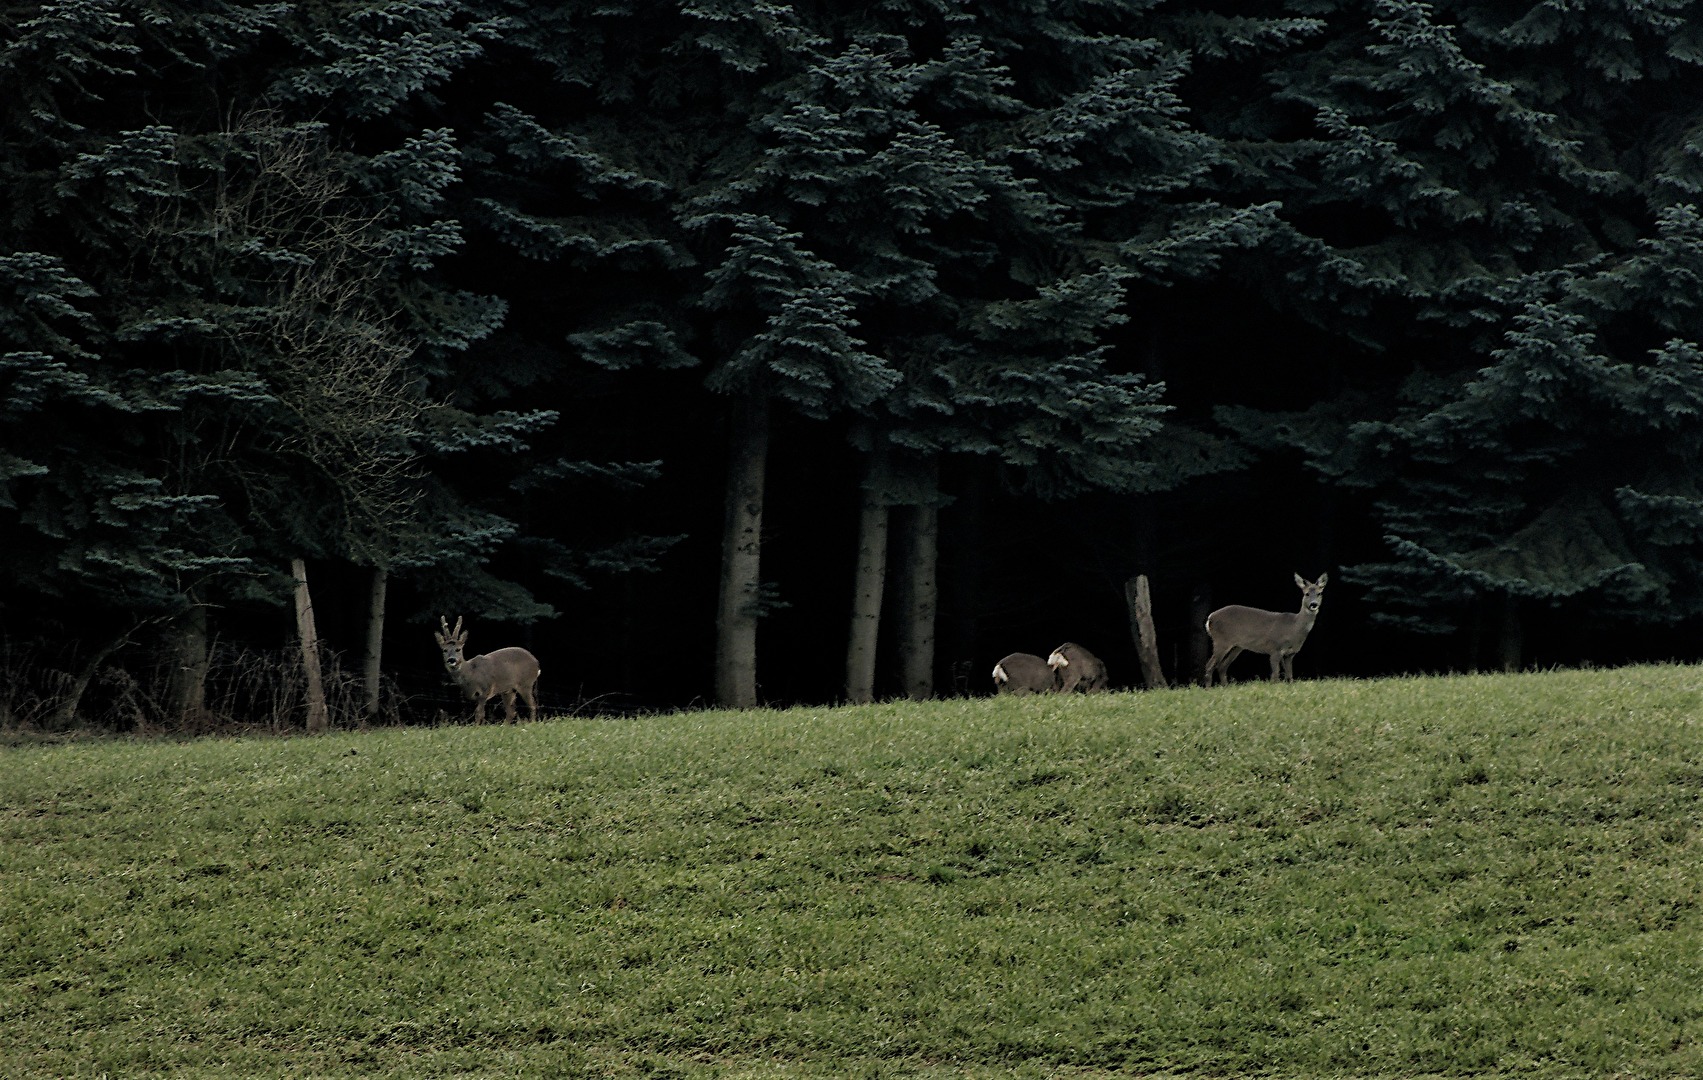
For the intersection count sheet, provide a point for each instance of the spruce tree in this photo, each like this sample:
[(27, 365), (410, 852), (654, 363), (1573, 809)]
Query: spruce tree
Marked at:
[(1476, 197), (623, 170), (242, 292), (921, 218)]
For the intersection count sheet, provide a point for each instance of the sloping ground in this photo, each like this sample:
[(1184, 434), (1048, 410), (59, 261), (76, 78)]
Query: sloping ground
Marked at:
[(1476, 875)]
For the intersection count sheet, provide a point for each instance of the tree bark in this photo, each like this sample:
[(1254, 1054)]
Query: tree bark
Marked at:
[(318, 717), (1200, 642), (1475, 636), (739, 610), (921, 597), (869, 583), (1511, 643), (963, 572), (190, 664), (64, 715), (372, 666), (1140, 602)]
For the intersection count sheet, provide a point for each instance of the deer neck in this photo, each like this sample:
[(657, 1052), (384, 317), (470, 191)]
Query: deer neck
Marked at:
[(463, 670)]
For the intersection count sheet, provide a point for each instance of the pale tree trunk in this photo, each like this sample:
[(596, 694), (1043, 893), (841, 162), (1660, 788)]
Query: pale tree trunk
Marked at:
[(1140, 601), (372, 666), (920, 597), (318, 717), (190, 664), (739, 609), (869, 584)]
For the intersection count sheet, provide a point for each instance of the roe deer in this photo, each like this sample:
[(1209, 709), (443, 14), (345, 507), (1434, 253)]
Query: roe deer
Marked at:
[(507, 672), (1279, 634), (1077, 667), (1023, 673)]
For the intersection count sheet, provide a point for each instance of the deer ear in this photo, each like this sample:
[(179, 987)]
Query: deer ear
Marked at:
[(1323, 578), (1301, 581), (439, 637)]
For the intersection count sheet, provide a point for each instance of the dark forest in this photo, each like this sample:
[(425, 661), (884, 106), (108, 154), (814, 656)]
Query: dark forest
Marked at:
[(766, 354)]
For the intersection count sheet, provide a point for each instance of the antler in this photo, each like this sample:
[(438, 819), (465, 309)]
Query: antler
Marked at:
[(443, 621)]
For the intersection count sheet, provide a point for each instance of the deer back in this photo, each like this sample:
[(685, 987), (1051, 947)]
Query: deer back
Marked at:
[(512, 668), (1023, 672), (1077, 668), (1258, 630)]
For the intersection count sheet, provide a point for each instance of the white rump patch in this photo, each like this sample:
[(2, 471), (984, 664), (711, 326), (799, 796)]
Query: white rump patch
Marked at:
[(999, 674), (1057, 660)]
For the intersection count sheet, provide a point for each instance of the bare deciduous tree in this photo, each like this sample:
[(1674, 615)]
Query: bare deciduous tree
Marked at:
[(298, 272)]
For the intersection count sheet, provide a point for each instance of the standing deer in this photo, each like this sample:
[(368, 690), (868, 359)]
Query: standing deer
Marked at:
[(507, 672), (1077, 667), (1279, 634), (1023, 673)]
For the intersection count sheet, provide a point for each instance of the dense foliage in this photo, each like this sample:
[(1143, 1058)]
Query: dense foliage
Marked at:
[(574, 317)]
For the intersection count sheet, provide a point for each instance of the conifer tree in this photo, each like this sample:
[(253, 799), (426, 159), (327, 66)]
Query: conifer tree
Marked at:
[(244, 295), (1476, 195), (921, 215), (630, 183)]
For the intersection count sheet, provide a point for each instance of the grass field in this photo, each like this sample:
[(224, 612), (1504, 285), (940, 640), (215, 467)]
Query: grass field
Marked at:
[(1487, 876)]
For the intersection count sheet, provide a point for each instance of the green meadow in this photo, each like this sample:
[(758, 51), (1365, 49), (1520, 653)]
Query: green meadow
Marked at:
[(1463, 876)]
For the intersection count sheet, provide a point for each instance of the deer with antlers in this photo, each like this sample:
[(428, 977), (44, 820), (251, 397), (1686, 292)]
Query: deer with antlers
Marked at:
[(507, 672)]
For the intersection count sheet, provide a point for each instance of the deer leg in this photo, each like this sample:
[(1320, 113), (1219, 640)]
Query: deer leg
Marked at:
[(1289, 667), (479, 710), (530, 695), (1276, 665), (1219, 664), (1212, 663)]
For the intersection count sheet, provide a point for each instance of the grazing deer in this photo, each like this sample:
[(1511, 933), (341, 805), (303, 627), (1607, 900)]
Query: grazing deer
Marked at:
[(507, 672), (1023, 673), (1279, 634), (1077, 667)]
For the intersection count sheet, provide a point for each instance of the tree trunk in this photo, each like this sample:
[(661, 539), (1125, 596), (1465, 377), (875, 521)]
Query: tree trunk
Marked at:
[(372, 667), (64, 715), (921, 595), (190, 664), (962, 573), (1200, 642), (1475, 636), (1140, 602), (1512, 639), (739, 607), (318, 717), (869, 584)]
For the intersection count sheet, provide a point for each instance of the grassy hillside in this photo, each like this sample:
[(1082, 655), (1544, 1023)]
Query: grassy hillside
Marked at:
[(1476, 875)]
